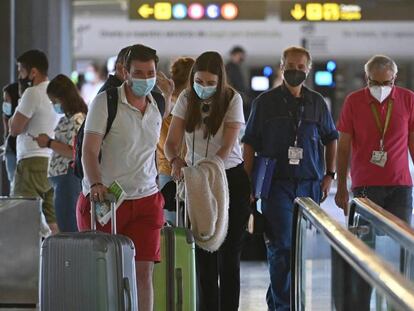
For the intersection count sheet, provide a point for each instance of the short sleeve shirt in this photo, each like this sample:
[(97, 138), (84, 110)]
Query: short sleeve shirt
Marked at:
[(36, 106), (203, 147), (128, 150), (65, 132), (273, 127), (357, 120)]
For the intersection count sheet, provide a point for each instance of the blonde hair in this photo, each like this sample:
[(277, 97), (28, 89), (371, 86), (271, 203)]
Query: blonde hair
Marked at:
[(296, 49), (180, 73)]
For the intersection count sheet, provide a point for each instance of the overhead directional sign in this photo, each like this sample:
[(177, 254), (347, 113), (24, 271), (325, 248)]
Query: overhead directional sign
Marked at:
[(197, 10), (346, 10), (328, 12)]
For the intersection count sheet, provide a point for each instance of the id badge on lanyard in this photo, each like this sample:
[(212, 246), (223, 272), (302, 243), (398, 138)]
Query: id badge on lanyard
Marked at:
[(295, 153), (379, 157)]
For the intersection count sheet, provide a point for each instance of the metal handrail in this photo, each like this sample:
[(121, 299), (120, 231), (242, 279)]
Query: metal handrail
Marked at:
[(388, 223), (359, 256)]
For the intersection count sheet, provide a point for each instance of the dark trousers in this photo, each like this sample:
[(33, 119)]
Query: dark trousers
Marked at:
[(349, 289), (278, 212), (219, 272)]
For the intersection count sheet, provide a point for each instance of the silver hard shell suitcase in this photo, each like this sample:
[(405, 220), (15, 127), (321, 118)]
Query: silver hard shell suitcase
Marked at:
[(20, 220), (88, 271)]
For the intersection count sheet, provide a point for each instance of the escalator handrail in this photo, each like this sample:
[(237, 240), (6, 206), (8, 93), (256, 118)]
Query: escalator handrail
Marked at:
[(388, 223), (359, 256)]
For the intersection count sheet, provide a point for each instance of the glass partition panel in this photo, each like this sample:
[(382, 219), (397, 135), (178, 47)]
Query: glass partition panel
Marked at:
[(389, 237), (333, 270)]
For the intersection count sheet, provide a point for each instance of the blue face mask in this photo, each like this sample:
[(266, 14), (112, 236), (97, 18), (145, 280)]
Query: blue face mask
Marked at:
[(7, 108), (58, 108), (142, 87), (204, 92)]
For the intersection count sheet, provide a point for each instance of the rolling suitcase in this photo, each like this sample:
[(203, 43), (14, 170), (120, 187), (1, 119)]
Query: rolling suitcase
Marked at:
[(175, 277), (20, 223), (88, 271)]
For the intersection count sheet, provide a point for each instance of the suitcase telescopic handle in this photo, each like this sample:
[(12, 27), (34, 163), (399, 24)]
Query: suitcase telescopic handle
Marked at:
[(111, 198), (177, 207)]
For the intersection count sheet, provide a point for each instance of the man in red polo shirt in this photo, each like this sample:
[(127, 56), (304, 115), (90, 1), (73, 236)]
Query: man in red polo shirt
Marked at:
[(377, 125)]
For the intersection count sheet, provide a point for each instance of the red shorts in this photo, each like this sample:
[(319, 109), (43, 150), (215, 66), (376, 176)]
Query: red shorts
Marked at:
[(141, 220)]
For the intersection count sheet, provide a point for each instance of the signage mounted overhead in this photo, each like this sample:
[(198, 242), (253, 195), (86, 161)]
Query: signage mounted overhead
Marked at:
[(197, 10), (329, 12), (346, 11)]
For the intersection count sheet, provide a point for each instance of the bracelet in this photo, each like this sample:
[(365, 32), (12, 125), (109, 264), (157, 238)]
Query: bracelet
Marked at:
[(49, 142), (96, 184)]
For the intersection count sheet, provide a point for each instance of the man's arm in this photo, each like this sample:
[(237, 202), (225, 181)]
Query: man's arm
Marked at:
[(90, 161), (344, 152), (248, 157), (330, 157), (18, 123)]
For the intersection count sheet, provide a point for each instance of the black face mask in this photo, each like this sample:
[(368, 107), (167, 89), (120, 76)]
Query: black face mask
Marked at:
[(294, 77), (24, 84)]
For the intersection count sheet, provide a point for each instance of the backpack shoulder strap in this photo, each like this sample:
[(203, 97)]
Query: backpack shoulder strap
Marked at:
[(159, 99), (112, 102)]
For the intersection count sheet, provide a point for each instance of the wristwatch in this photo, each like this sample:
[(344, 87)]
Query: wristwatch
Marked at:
[(331, 174)]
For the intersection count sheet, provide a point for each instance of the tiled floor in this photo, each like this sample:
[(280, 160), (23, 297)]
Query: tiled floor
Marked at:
[(254, 283)]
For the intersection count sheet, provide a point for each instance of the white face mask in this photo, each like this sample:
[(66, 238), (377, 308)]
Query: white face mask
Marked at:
[(380, 92)]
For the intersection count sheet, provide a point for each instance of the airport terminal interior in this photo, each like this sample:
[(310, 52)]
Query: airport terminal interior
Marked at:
[(361, 261)]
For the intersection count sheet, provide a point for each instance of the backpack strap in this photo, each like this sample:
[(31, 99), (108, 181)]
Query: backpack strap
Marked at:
[(112, 102), (159, 99)]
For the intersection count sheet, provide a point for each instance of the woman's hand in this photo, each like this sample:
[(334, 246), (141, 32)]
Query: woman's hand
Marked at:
[(42, 140), (165, 84), (177, 164)]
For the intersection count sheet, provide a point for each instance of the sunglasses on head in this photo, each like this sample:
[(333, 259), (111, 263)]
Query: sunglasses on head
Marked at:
[(139, 49)]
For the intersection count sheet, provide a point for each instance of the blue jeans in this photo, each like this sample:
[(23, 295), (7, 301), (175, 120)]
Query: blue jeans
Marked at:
[(278, 212), (11, 163), (350, 288), (66, 192)]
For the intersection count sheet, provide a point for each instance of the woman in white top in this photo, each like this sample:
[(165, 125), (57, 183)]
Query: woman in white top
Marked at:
[(68, 103), (209, 114)]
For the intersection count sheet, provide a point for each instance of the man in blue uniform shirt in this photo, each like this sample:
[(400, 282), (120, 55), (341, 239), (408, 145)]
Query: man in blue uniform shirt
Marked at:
[(290, 124)]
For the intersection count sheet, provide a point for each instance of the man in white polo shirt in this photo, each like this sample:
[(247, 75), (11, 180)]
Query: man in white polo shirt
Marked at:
[(34, 115), (128, 157)]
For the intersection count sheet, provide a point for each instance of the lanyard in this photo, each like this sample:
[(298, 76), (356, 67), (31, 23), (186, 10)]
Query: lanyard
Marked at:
[(382, 128), (299, 122)]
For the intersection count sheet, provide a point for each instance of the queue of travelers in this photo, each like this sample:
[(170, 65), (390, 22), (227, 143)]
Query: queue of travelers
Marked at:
[(186, 123)]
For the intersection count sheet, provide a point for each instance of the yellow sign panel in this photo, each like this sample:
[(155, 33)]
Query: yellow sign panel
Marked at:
[(297, 13), (162, 10), (329, 12), (145, 11), (314, 12)]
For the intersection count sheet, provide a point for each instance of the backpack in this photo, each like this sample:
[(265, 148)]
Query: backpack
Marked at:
[(112, 104)]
